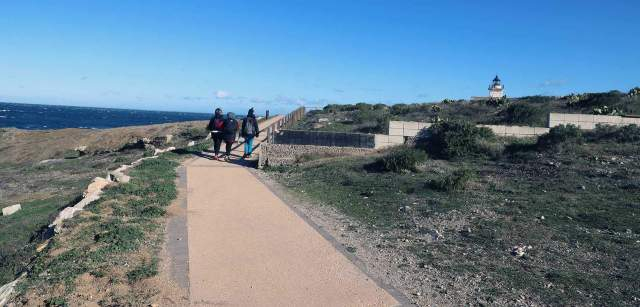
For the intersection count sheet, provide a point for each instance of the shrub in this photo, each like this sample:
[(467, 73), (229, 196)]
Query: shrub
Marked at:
[(453, 139), (453, 182), (624, 134), (380, 106), (559, 135), (524, 114), (401, 159)]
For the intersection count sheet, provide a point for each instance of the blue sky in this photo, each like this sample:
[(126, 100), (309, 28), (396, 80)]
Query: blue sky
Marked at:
[(194, 55)]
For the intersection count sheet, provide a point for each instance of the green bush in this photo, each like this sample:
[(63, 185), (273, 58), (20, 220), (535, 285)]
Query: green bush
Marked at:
[(401, 159), (453, 182), (624, 134), (523, 114), (560, 135), (454, 139)]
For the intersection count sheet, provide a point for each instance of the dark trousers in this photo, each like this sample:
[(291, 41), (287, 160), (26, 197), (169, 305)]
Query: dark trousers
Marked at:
[(217, 141), (228, 147)]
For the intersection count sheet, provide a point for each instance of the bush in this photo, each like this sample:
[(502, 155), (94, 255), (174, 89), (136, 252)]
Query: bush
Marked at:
[(625, 134), (559, 135), (453, 139), (401, 159), (523, 114), (453, 182)]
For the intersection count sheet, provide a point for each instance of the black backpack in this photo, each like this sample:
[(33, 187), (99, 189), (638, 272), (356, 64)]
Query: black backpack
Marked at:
[(230, 126)]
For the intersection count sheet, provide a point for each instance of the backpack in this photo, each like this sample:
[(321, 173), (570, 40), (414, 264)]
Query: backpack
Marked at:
[(249, 128), (230, 126), (218, 124)]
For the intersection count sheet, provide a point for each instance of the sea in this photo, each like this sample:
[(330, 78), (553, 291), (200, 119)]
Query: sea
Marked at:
[(44, 117)]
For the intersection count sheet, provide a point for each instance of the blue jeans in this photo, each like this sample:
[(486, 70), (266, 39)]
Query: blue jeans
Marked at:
[(248, 145)]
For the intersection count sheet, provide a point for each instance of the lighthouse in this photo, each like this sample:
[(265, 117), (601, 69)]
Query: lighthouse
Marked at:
[(496, 89)]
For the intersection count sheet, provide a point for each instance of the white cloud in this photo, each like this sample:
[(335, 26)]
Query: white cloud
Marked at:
[(222, 94)]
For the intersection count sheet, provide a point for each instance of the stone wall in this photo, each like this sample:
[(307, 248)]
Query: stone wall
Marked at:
[(516, 131), (324, 138), (587, 122), (411, 129), (287, 154)]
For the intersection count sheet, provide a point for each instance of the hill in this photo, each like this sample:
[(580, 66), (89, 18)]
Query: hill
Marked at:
[(524, 111)]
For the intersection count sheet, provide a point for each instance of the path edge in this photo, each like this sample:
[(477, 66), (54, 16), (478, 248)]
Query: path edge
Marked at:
[(287, 199)]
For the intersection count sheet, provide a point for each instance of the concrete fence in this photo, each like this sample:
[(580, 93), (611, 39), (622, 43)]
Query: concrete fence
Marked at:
[(587, 122)]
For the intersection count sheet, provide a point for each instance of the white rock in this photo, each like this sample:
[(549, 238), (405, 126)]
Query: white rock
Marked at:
[(191, 143), (96, 186), (169, 137), (65, 214), (11, 209)]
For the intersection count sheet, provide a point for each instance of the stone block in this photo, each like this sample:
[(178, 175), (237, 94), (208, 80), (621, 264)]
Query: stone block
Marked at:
[(411, 125), (540, 130), (395, 125), (11, 209), (396, 139), (396, 131), (410, 132)]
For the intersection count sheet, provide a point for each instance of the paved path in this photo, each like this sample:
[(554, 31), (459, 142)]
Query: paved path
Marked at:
[(246, 247)]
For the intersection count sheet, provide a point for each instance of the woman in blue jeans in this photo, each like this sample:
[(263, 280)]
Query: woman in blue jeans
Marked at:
[(248, 132)]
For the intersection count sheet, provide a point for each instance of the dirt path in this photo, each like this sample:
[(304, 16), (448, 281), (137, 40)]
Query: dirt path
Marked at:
[(246, 247)]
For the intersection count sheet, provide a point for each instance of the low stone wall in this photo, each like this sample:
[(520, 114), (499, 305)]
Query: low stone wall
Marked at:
[(516, 131), (402, 128), (411, 129), (587, 122), (287, 154), (324, 138)]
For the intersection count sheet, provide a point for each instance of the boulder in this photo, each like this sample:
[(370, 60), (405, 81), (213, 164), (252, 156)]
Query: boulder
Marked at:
[(191, 143), (162, 140), (11, 209)]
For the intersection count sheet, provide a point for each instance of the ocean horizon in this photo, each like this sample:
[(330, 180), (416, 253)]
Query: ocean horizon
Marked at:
[(46, 117)]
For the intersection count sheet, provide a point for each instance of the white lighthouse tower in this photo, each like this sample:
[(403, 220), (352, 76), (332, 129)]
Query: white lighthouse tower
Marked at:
[(496, 89)]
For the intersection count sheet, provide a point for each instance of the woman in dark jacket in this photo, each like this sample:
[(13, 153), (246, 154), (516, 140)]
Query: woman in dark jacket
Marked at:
[(249, 131), (229, 132), (216, 124)]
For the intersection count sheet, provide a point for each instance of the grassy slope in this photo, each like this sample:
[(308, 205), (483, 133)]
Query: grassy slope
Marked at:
[(112, 245), (585, 250), (44, 188)]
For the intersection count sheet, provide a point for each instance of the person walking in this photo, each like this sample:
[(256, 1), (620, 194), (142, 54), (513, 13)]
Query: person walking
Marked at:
[(249, 132), (216, 125), (229, 131)]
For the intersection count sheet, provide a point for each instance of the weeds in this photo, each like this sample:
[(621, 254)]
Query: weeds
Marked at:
[(401, 159), (453, 182)]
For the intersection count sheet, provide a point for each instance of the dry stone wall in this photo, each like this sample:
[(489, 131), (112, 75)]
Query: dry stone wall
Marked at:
[(287, 154)]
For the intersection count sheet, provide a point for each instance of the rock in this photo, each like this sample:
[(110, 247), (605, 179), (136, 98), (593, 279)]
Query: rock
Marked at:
[(65, 214), (159, 151), (162, 140), (11, 209), (82, 150), (583, 187), (145, 140), (118, 176), (191, 143), (323, 120), (96, 186), (43, 245), (542, 217), (519, 250)]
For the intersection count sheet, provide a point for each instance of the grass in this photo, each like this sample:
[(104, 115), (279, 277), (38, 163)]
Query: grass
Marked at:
[(584, 251), (42, 190), (117, 238)]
